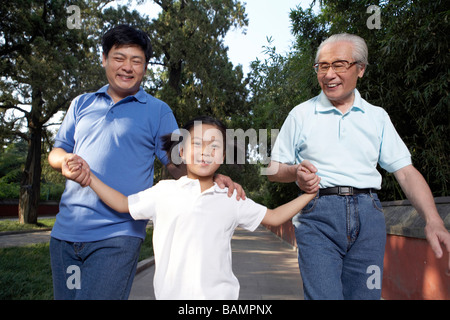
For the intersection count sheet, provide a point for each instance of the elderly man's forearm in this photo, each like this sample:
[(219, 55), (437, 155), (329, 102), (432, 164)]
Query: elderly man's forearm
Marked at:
[(282, 172)]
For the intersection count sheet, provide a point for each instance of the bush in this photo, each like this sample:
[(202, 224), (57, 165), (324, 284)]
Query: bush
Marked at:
[(9, 191), (49, 191)]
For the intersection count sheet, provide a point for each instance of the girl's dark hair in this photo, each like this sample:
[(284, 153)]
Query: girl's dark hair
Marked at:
[(126, 35), (172, 140)]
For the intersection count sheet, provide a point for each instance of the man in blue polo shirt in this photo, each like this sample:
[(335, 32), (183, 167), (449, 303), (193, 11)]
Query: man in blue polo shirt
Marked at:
[(332, 144), (94, 250)]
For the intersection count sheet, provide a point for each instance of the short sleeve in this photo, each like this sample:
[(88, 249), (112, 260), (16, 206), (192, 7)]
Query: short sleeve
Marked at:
[(65, 137), (250, 214), (168, 125), (394, 154), (142, 205), (284, 148)]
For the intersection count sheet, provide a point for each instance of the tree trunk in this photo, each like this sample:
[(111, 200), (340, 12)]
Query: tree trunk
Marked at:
[(175, 72), (30, 185)]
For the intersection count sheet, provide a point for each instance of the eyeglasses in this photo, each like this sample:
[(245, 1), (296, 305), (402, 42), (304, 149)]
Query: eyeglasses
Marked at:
[(340, 66)]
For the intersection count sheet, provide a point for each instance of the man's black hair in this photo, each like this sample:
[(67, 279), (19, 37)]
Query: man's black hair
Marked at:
[(125, 35)]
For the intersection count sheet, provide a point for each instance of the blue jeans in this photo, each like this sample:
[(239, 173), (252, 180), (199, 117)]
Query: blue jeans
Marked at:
[(94, 270), (341, 242)]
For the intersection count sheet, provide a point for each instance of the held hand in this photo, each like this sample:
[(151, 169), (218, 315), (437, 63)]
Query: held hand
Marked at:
[(225, 181), (307, 179), (74, 168), (436, 235)]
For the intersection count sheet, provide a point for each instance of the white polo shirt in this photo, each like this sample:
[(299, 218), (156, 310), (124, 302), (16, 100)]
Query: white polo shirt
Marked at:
[(192, 237)]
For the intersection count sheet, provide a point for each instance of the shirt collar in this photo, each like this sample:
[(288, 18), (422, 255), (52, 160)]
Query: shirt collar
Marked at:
[(139, 96), (184, 182), (324, 105)]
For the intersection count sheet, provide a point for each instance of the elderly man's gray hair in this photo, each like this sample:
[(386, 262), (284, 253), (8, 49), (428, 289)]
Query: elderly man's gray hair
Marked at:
[(360, 51)]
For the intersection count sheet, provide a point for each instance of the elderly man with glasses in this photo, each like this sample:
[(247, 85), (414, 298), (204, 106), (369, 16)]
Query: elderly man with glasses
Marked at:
[(332, 144)]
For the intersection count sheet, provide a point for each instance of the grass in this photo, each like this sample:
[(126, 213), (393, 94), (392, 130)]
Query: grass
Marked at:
[(14, 225), (26, 271)]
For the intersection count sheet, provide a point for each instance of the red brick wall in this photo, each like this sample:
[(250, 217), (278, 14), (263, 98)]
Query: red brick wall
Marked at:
[(10, 209), (412, 272)]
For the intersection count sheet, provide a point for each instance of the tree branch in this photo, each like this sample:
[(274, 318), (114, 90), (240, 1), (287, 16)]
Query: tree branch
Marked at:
[(52, 124), (11, 106), (161, 4), (157, 63)]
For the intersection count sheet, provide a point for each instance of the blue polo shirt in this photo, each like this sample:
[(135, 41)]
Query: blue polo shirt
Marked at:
[(119, 141), (345, 148)]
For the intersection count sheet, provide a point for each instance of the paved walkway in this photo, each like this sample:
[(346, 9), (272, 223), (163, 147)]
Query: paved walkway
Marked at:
[(265, 266), (24, 238)]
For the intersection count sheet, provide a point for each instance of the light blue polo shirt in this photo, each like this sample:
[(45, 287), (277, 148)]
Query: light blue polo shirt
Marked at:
[(119, 141), (345, 148)]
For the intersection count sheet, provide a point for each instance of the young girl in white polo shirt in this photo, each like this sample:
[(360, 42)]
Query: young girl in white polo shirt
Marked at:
[(194, 220)]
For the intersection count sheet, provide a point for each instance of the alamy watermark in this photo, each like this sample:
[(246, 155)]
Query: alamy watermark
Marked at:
[(374, 21), (236, 141), (74, 20), (374, 280), (74, 280)]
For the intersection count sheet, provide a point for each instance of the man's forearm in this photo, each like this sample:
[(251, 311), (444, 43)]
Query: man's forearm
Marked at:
[(282, 172), (304, 174), (55, 158), (418, 192)]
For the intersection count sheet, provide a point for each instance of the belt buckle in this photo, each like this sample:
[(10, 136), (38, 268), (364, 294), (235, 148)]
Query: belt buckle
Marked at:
[(345, 191)]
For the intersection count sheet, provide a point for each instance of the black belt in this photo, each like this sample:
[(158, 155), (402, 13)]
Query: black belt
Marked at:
[(343, 191)]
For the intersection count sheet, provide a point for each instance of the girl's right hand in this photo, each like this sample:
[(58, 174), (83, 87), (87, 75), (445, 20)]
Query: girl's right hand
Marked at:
[(76, 169), (307, 179)]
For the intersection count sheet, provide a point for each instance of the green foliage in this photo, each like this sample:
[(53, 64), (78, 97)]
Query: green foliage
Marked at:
[(9, 190), (12, 158), (415, 55), (197, 77), (277, 85)]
